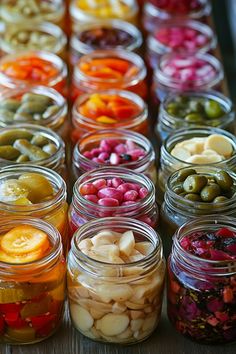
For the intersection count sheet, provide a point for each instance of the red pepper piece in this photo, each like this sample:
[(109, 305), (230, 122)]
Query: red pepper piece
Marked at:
[(12, 308), (43, 320), (125, 112), (13, 320), (225, 232)]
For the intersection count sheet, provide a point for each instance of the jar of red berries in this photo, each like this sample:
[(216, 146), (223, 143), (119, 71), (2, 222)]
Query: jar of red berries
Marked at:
[(202, 280)]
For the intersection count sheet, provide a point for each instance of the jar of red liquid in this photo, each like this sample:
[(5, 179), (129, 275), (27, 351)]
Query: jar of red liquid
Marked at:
[(116, 148), (112, 191), (109, 69), (184, 72), (202, 280), (33, 67), (33, 280), (186, 36), (106, 34), (111, 109), (157, 12)]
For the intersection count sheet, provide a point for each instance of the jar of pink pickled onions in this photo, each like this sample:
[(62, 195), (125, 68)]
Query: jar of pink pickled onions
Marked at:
[(183, 72), (112, 191), (202, 280), (186, 36)]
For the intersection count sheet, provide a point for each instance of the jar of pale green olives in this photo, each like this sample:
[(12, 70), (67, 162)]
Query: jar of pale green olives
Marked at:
[(196, 192), (196, 146), (191, 109)]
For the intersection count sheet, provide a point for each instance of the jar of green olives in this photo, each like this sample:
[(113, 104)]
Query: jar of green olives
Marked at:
[(195, 192), (196, 146), (191, 109), (31, 36), (28, 143), (34, 105)]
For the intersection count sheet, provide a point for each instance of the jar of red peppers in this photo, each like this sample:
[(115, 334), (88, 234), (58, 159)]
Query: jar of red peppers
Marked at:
[(106, 34), (185, 36), (27, 191), (33, 67), (195, 109), (32, 271), (116, 148), (184, 72), (111, 109), (112, 191), (109, 69), (157, 12), (85, 11), (116, 274), (202, 280)]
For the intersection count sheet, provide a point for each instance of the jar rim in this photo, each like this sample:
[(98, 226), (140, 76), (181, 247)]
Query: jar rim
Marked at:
[(49, 259), (129, 122), (174, 83), (122, 223), (51, 175), (81, 47), (189, 259), (55, 60), (131, 57), (108, 134), (43, 90)]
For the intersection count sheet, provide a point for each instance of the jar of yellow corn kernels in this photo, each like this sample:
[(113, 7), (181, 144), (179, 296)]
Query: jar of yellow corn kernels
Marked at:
[(116, 274)]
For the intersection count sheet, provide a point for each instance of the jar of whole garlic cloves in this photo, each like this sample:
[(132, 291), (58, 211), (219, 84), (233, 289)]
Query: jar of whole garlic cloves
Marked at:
[(116, 274)]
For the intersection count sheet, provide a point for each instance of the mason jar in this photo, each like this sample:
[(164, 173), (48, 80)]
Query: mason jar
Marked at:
[(83, 209), (52, 209), (35, 68), (177, 210), (28, 150), (132, 77), (145, 164), (32, 292), (82, 123), (116, 302), (169, 163), (154, 16), (168, 123), (130, 38), (56, 109), (202, 291), (31, 36)]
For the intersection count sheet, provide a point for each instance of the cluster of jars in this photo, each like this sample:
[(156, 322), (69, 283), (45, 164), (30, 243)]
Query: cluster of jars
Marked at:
[(115, 262)]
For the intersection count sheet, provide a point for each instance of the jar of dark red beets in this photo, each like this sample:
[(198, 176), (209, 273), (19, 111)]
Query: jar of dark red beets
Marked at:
[(202, 280)]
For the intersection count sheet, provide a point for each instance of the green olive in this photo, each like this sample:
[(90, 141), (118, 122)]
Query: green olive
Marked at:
[(178, 189), (195, 106), (10, 104), (224, 180), (172, 108), (213, 109), (209, 193), (195, 183), (193, 197), (194, 118), (220, 199), (183, 174)]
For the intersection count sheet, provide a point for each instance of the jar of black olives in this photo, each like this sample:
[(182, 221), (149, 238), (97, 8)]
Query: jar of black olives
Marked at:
[(195, 109), (195, 192)]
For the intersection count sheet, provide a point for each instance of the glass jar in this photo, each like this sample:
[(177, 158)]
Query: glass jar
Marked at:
[(182, 72), (176, 210), (128, 294), (37, 11), (82, 12), (106, 34), (26, 132), (185, 36), (145, 164), (130, 77), (154, 17), (56, 105), (169, 163), (31, 36), (201, 292), (133, 117), (32, 293), (53, 210), (168, 123), (33, 67), (82, 210)]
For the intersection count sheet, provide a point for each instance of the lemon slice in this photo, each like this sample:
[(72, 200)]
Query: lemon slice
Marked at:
[(11, 190)]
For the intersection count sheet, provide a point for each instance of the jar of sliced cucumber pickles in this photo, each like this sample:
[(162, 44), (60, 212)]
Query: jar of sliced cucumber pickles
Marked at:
[(116, 274)]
